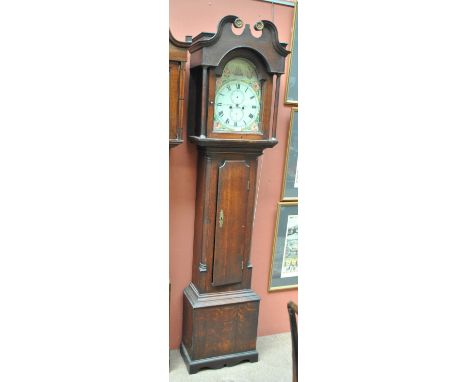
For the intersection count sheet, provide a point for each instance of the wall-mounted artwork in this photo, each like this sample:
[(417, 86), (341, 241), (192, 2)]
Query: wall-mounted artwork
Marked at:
[(290, 178), (289, 3), (292, 80), (284, 261)]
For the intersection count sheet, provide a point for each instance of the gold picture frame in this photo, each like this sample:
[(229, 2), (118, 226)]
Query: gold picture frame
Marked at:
[(290, 99), (284, 258), (288, 3), (289, 190)]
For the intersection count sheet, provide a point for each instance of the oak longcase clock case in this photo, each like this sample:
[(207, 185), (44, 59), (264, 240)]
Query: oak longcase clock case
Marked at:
[(233, 103)]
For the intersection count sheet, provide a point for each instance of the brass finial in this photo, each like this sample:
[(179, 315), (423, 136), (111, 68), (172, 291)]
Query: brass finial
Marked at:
[(238, 23), (258, 25)]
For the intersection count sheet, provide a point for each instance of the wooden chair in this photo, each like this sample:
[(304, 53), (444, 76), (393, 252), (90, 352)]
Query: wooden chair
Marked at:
[(292, 310)]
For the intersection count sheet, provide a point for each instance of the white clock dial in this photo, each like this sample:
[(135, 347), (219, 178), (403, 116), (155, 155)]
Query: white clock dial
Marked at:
[(238, 98), (237, 107)]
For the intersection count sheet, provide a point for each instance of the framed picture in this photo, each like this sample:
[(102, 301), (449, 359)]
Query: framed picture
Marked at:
[(290, 179), (292, 80), (289, 3), (284, 266)]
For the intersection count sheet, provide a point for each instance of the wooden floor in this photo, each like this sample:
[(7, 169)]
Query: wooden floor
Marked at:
[(274, 365)]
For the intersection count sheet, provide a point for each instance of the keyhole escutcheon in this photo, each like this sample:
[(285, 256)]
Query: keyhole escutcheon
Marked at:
[(221, 219)]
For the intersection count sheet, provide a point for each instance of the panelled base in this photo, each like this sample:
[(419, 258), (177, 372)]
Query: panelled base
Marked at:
[(216, 362), (219, 329)]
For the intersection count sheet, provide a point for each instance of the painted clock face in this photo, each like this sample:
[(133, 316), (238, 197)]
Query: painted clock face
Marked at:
[(238, 98)]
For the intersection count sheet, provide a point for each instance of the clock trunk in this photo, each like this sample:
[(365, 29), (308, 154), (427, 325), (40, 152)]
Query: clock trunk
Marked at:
[(220, 308)]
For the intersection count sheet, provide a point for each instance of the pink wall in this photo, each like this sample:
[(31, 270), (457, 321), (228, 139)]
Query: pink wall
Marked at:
[(190, 17)]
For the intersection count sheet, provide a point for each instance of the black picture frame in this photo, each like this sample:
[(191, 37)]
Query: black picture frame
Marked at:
[(290, 175), (284, 264)]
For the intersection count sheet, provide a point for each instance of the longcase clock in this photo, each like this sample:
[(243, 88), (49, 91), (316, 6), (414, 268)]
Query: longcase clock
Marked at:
[(177, 60), (233, 105)]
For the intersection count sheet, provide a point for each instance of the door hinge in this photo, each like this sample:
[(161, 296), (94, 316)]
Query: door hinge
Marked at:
[(248, 185), (242, 264)]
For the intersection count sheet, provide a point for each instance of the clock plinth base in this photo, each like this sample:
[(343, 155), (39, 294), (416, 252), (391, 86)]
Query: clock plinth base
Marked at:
[(194, 366), (219, 329)]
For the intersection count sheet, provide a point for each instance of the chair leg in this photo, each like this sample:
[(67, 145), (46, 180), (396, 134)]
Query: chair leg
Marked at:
[(292, 310)]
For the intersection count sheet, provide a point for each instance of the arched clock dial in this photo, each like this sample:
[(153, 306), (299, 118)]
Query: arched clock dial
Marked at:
[(238, 98)]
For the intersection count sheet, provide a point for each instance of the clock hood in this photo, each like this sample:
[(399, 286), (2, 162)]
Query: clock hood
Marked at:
[(208, 49)]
